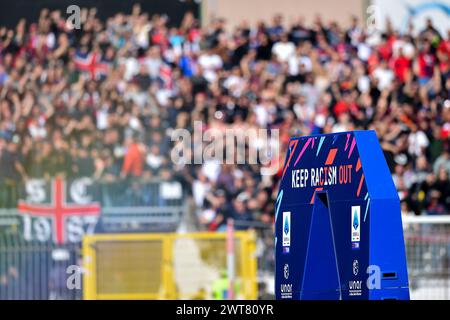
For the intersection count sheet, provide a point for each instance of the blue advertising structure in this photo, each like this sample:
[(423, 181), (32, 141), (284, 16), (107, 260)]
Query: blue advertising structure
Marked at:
[(338, 222)]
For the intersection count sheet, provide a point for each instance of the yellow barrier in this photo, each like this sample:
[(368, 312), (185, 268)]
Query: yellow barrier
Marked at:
[(165, 266)]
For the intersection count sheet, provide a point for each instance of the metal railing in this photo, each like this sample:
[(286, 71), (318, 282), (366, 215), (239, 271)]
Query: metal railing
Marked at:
[(134, 192), (427, 242), (36, 270), (131, 204)]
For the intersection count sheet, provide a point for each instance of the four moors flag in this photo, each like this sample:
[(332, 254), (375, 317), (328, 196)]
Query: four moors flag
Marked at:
[(59, 210)]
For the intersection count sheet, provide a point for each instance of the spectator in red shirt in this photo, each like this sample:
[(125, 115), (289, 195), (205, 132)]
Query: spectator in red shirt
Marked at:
[(132, 164), (401, 66), (426, 62), (346, 104), (443, 54)]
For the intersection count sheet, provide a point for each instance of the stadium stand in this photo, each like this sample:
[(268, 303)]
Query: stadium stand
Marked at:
[(102, 101)]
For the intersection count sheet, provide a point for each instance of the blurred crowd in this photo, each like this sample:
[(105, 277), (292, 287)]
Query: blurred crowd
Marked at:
[(103, 100)]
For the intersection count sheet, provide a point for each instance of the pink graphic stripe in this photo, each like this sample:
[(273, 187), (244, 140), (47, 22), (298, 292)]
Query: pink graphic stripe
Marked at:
[(352, 147), (303, 150), (295, 142), (346, 143)]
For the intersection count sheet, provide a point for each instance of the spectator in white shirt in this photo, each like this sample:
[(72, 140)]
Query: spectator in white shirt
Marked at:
[(283, 49), (299, 62), (384, 75), (210, 63), (418, 142)]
